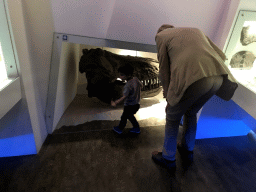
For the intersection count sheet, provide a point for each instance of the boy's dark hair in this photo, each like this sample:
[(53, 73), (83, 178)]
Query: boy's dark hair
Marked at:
[(126, 69)]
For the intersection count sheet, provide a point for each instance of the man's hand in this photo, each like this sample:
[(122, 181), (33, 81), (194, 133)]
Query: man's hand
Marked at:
[(113, 104)]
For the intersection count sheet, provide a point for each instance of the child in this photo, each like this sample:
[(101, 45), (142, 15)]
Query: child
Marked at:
[(131, 97)]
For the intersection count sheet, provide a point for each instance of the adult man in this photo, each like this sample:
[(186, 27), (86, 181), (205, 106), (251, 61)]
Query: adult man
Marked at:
[(191, 70)]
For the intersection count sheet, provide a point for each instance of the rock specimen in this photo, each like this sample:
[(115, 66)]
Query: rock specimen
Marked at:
[(100, 67), (247, 38), (243, 60)]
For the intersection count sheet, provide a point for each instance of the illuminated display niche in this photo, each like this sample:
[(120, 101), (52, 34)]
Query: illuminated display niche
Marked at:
[(241, 50)]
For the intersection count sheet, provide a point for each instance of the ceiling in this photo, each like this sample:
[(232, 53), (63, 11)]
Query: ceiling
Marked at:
[(135, 20)]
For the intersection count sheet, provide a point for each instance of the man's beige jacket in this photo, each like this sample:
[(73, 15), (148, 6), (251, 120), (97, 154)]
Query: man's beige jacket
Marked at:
[(186, 55)]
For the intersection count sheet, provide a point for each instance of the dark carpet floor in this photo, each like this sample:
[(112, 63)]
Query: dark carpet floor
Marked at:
[(102, 161)]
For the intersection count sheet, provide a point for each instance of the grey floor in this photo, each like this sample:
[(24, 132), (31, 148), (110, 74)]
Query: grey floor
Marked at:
[(101, 161)]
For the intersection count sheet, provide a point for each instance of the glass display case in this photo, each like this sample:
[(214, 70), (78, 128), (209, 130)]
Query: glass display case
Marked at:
[(241, 50)]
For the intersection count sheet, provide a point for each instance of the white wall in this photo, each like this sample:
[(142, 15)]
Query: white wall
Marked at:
[(39, 28), (67, 79), (32, 25), (135, 20), (226, 23)]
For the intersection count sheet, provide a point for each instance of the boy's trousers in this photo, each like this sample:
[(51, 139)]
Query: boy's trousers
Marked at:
[(128, 113)]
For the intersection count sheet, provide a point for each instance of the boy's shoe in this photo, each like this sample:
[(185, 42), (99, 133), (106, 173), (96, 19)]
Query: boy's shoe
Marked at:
[(185, 154), (117, 130), (158, 159), (135, 130)]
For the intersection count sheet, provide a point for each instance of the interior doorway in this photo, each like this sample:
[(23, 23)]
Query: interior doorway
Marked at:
[(68, 103)]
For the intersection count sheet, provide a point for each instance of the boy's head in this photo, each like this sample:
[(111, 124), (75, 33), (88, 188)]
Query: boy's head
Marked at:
[(125, 71)]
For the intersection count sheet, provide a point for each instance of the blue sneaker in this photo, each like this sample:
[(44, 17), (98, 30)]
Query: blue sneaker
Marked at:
[(117, 130), (135, 130)]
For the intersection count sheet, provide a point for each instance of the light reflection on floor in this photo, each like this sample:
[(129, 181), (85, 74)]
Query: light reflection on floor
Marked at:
[(83, 109), (217, 119), (156, 111), (221, 118), (16, 146)]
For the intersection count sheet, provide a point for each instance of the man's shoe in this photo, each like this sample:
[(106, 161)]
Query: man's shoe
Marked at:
[(160, 160), (185, 154), (117, 130), (135, 130)]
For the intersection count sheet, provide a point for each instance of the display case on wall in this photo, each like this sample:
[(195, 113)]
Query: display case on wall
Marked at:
[(241, 50)]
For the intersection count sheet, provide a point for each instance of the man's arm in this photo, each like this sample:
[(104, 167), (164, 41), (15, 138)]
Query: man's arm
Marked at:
[(164, 65)]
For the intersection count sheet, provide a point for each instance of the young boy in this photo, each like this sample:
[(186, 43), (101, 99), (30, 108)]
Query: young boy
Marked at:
[(131, 97)]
